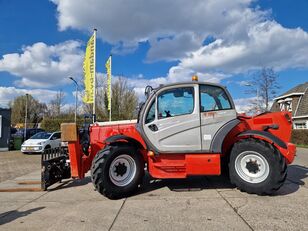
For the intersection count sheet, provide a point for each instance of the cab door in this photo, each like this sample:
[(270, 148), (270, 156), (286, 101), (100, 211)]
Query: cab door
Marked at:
[(216, 110), (172, 120)]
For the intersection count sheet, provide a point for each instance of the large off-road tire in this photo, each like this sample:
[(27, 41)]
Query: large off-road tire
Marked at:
[(257, 167), (117, 170)]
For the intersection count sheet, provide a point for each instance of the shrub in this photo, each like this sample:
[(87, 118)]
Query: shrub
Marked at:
[(54, 124), (299, 136)]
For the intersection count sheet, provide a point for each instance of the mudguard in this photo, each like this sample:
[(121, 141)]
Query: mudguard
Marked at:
[(266, 135), (116, 138), (221, 134)]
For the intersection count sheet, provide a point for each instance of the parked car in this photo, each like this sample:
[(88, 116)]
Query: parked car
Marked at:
[(29, 132), (41, 141), (18, 137)]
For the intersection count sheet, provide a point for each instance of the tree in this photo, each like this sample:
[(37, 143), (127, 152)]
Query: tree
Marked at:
[(124, 101), (56, 104), (35, 109), (264, 85)]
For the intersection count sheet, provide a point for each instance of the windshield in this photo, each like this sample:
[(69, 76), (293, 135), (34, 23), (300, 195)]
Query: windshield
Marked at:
[(41, 135)]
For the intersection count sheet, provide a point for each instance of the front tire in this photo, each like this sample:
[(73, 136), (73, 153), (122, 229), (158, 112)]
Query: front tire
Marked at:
[(117, 170), (257, 167)]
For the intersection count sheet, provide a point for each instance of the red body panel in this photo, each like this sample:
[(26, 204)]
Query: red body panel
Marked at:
[(182, 165), (282, 119), (76, 160)]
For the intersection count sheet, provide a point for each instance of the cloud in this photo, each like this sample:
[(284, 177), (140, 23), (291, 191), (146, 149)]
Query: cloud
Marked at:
[(243, 83), (244, 105), (245, 37), (175, 74), (173, 48), (120, 22), (43, 66), (8, 94), (268, 44)]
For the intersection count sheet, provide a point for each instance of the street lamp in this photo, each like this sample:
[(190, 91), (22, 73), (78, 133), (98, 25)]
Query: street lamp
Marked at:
[(26, 115), (76, 96)]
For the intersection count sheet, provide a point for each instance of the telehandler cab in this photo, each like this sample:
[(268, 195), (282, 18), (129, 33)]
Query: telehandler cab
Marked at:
[(183, 129)]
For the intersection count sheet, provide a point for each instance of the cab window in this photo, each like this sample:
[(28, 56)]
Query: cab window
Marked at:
[(213, 98), (175, 102), (151, 114)]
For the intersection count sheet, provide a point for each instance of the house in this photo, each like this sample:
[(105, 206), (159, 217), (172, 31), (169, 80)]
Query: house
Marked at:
[(296, 101), (5, 128)]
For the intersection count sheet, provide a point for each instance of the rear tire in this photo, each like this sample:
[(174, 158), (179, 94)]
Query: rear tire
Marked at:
[(257, 167), (117, 171)]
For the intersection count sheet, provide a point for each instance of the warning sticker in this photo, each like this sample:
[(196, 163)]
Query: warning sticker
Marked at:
[(207, 137)]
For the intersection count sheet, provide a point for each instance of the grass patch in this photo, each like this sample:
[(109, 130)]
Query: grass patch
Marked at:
[(302, 145)]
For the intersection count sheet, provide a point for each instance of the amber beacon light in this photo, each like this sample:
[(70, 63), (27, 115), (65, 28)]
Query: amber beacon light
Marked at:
[(194, 78)]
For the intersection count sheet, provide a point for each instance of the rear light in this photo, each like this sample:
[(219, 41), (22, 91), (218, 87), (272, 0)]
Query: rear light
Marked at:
[(287, 116)]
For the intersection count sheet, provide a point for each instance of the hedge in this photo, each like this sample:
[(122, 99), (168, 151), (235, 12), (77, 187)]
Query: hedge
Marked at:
[(300, 136), (52, 125)]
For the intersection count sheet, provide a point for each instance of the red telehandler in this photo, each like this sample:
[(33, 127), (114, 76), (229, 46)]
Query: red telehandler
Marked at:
[(183, 129)]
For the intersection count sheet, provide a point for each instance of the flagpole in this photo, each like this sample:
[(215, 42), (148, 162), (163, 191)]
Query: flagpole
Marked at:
[(110, 88), (94, 92)]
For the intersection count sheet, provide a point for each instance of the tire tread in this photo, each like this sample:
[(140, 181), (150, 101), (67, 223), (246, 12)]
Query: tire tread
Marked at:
[(276, 160)]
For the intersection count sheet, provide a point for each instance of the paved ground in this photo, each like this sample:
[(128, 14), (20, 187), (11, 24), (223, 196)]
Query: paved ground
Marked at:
[(201, 203), (14, 164)]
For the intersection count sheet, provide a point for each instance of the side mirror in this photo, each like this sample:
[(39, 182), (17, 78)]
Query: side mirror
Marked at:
[(147, 91)]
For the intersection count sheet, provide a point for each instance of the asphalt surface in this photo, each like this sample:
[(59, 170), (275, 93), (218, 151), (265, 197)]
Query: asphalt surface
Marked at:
[(199, 203)]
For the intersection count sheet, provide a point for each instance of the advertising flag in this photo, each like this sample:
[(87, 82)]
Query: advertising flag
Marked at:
[(89, 71), (108, 68)]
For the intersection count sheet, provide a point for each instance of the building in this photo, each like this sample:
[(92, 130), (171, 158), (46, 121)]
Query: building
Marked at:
[(5, 128), (296, 101)]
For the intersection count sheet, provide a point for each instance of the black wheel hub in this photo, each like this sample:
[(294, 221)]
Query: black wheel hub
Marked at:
[(252, 166), (120, 169)]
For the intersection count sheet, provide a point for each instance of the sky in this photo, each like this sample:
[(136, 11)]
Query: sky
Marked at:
[(152, 42)]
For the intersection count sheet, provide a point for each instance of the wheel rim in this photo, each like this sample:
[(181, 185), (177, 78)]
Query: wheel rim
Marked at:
[(252, 167), (122, 170)]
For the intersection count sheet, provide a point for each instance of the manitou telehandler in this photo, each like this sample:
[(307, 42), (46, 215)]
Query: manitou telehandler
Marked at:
[(183, 129)]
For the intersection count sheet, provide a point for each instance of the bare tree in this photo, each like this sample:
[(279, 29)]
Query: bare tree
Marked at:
[(99, 99), (56, 104), (264, 85), (124, 101)]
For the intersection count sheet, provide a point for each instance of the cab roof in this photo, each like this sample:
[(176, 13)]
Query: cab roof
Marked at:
[(189, 82)]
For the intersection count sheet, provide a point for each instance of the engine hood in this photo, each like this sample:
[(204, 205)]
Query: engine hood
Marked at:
[(34, 141), (119, 122)]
